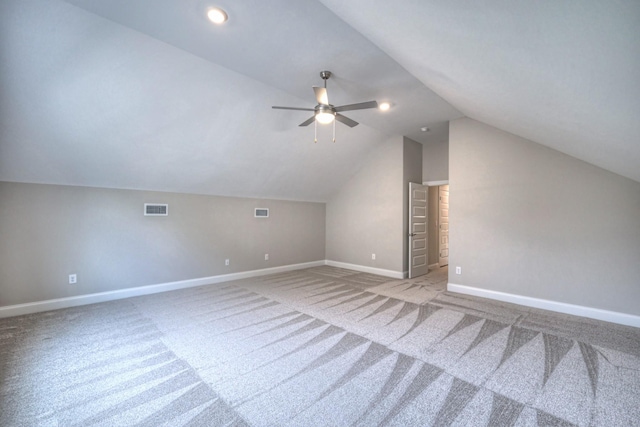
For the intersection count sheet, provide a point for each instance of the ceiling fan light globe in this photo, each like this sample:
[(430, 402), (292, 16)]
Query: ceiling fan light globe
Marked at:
[(325, 118)]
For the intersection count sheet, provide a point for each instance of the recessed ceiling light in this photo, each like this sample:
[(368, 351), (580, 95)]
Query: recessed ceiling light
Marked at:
[(217, 15), (384, 106), (425, 129)]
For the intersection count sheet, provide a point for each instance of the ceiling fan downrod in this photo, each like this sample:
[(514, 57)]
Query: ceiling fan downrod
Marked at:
[(325, 76)]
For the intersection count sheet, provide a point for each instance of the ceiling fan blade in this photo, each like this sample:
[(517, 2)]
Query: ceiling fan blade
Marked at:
[(321, 95), (359, 106), (308, 121), (346, 120), (293, 108)]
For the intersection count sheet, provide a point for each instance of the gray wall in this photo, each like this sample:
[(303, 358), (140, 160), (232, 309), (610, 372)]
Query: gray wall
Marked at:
[(435, 161), (412, 172), (49, 231), (531, 221), (366, 215)]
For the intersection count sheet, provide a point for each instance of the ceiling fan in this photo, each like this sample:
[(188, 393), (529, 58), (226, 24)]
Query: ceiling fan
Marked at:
[(326, 113)]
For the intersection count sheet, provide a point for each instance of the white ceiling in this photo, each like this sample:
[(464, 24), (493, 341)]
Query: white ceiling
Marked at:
[(148, 94), (565, 74)]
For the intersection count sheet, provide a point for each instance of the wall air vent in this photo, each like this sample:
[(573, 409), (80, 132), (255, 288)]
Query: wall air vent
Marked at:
[(156, 209), (262, 213)]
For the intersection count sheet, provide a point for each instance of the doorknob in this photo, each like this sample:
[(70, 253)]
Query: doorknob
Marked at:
[(412, 234)]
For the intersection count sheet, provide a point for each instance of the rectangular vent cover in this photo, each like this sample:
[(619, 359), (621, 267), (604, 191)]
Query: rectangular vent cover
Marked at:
[(262, 213), (156, 209)]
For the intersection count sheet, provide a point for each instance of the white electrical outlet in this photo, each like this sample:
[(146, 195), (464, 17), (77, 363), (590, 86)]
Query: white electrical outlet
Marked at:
[(458, 270), (373, 256), (226, 262), (73, 278), (266, 257)]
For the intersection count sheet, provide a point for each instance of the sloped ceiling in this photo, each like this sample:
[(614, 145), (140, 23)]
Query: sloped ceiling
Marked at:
[(148, 94), (565, 74)]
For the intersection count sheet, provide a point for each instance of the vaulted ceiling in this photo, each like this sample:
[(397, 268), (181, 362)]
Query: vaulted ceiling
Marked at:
[(148, 94)]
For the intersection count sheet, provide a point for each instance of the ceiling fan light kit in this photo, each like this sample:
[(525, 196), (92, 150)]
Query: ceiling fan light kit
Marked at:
[(325, 113)]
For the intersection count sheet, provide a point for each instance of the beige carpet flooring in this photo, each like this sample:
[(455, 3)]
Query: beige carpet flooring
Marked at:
[(316, 347)]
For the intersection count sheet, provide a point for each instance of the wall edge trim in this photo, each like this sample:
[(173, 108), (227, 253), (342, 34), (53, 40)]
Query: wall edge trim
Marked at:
[(74, 301), (560, 307), (365, 269)]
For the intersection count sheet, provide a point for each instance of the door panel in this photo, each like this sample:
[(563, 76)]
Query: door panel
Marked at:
[(443, 221), (419, 244), (418, 196)]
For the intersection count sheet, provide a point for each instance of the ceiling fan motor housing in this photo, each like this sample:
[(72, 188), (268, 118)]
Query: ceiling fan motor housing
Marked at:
[(321, 108)]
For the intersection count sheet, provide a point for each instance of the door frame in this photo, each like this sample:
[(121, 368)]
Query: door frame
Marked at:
[(435, 183)]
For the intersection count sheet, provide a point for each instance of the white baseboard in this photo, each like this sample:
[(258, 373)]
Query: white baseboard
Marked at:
[(54, 304), (363, 268), (561, 307)]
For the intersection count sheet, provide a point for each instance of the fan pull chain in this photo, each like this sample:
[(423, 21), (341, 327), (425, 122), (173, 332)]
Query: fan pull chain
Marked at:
[(315, 131), (334, 131)]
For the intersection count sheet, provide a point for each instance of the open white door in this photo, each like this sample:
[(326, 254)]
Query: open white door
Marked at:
[(418, 197), (443, 229)]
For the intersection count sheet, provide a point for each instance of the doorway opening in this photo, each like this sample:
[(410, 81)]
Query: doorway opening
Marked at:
[(443, 225), (438, 223), (428, 228)]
